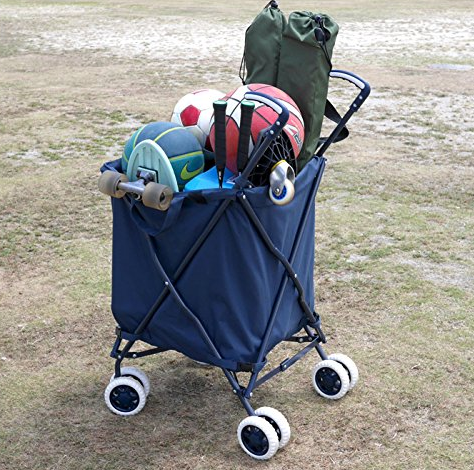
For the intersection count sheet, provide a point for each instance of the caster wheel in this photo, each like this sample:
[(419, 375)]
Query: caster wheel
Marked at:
[(157, 196), (125, 396), (257, 437), (330, 379), (279, 423), (350, 367), (138, 375), (108, 183), (286, 195)]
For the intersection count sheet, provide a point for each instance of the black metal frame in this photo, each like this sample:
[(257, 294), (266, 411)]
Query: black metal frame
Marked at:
[(314, 336)]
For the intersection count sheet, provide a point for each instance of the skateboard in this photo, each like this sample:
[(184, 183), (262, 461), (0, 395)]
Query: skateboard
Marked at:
[(150, 177)]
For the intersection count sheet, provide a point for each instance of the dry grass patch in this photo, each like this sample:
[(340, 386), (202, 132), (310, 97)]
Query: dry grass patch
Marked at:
[(394, 266)]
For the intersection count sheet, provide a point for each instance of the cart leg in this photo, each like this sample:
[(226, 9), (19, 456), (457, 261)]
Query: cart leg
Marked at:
[(121, 355), (239, 391), (321, 352), (317, 334), (246, 404)]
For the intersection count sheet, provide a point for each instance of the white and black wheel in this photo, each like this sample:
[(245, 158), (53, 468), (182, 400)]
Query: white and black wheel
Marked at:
[(125, 396), (330, 379), (279, 423), (137, 374), (286, 196), (257, 437), (350, 367)]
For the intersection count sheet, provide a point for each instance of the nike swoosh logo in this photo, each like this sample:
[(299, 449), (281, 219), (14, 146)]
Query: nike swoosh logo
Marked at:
[(187, 175)]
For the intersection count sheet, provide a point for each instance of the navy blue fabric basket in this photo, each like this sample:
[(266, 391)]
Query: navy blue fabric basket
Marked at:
[(233, 281)]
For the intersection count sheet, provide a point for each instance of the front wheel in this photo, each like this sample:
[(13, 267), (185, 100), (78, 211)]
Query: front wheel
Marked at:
[(125, 396), (257, 437), (137, 374), (279, 423)]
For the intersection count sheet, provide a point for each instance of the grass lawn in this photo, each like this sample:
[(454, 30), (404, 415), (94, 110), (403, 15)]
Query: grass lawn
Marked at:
[(394, 272)]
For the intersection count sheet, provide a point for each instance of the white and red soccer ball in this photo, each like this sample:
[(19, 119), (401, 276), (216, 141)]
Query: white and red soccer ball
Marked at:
[(195, 111), (263, 117)]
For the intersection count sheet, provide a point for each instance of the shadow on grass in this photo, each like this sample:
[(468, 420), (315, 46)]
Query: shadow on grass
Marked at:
[(190, 413)]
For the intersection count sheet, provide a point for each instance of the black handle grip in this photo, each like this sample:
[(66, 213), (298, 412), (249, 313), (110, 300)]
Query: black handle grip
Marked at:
[(353, 78), (364, 92), (246, 114), (220, 107)]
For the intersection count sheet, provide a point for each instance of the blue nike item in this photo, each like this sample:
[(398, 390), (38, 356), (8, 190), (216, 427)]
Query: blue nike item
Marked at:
[(177, 142), (209, 180)]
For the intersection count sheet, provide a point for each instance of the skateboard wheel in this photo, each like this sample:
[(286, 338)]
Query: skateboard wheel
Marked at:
[(157, 196), (286, 196), (109, 181)]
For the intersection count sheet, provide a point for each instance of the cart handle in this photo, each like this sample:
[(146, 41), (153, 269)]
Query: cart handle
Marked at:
[(353, 78), (364, 92), (276, 105)]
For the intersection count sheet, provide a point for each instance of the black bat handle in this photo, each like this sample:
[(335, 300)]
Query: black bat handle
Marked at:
[(220, 138), (246, 113)]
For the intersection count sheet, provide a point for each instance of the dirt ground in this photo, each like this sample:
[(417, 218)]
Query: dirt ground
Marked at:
[(394, 271)]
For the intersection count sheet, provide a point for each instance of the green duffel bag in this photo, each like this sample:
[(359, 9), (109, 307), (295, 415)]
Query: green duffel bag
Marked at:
[(262, 46), (303, 70)]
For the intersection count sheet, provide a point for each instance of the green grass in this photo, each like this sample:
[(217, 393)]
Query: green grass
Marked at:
[(394, 269)]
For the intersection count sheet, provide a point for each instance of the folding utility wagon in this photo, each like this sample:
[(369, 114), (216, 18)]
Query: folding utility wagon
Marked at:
[(223, 276)]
